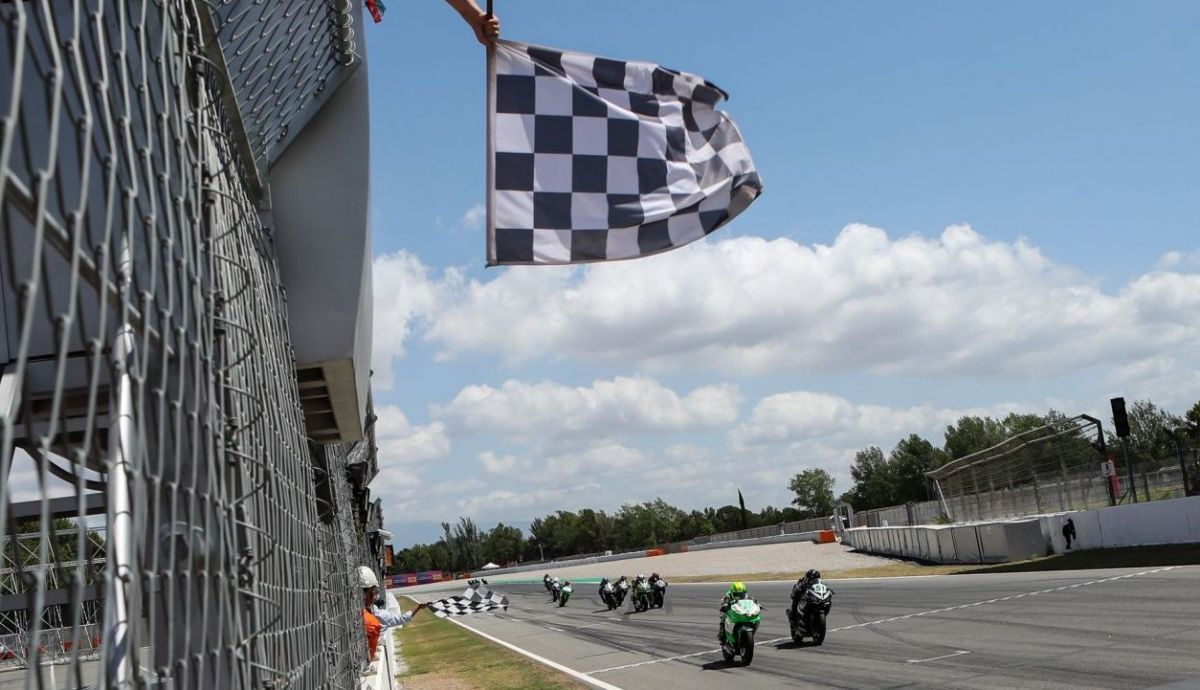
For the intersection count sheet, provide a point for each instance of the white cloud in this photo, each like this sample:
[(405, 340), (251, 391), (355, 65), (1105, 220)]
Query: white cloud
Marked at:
[(473, 217), (810, 416), (400, 442), (404, 292), (620, 406), (951, 305), (503, 464)]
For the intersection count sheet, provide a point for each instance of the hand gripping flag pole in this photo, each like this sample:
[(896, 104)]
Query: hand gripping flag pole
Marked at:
[(595, 159)]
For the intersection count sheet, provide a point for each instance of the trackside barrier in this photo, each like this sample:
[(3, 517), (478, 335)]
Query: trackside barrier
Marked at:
[(1173, 521), (993, 542)]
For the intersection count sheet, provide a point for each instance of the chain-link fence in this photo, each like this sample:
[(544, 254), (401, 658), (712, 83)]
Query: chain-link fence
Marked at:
[(165, 521), (1055, 467)]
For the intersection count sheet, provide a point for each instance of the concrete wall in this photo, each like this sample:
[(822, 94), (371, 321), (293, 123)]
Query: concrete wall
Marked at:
[(993, 542), (1175, 521)]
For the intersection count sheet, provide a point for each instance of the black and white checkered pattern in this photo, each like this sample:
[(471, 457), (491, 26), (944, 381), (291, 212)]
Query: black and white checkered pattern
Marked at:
[(598, 159), (474, 600)]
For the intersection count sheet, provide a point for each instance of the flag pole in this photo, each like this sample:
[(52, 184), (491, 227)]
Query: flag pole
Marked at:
[(489, 193)]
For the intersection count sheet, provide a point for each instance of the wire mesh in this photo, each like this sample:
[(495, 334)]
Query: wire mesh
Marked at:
[(160, 514), (1053, 468)]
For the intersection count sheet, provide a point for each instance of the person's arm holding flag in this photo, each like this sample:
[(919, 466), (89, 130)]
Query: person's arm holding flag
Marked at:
[(485, 26)]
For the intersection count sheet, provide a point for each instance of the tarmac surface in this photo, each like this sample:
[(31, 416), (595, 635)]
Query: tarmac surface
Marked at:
[(1123, 628)]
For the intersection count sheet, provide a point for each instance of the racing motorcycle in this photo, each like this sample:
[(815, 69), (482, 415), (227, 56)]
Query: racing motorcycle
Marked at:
[(659, 588), (564, 594), (741, 622), (555, 590), (608, 594), (620, 591), (809, 620), (643, 598)]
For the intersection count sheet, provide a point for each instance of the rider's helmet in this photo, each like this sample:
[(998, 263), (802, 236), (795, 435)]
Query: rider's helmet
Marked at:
[(567, 583), (654, 576), (812, 575), (738, 590)]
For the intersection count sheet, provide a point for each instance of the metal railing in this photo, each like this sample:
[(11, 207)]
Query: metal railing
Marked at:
[(148, 384), (1055, 467)]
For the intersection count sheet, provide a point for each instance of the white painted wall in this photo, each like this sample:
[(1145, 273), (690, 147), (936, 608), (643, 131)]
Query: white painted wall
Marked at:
[(1175, 521)]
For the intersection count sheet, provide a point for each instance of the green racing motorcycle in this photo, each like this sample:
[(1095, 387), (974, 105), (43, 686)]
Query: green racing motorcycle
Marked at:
[(564, 595), (643, 596), (741, 622)]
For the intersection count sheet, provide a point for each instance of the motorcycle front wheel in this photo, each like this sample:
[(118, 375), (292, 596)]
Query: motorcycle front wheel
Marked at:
[(746, 642), (818, 628)]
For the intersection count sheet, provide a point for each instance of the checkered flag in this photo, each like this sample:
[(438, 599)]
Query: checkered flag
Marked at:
[(594, 159), (474, 600)]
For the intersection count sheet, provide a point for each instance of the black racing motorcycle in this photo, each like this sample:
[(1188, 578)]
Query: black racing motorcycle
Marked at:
[(807, 617)]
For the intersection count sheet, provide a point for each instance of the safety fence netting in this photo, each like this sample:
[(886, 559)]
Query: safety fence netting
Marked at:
[(164, 520)]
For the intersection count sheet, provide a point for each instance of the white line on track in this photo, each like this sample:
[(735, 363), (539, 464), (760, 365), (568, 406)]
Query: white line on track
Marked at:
[(594, 682), (939, 658), (899, 618)]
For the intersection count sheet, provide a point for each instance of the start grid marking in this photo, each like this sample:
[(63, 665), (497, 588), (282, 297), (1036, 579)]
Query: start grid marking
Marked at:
[(904, 617)]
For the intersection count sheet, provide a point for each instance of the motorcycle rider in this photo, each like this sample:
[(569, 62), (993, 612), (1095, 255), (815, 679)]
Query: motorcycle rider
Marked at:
[(656, 578), (812, 577), (736, 592), (603, 581), (617, 587), (546, 581)]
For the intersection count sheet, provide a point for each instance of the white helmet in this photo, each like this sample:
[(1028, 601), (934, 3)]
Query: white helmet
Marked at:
[(641, 576), (366, 577)]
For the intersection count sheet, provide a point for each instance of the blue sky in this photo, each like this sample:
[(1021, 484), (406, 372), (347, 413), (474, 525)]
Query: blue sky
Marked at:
[(1064, 135)]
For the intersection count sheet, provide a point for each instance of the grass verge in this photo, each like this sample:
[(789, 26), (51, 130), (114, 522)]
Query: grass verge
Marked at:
[(1132, 557), (442, 655)]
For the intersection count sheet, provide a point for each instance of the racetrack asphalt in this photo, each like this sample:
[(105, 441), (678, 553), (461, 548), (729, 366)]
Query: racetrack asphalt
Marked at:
[(1126, 628)]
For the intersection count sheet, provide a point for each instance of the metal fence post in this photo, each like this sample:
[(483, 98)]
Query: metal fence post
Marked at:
[(122, 602)]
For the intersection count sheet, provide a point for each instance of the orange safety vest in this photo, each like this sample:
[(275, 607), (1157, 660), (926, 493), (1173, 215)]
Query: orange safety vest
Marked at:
[(373, 627)]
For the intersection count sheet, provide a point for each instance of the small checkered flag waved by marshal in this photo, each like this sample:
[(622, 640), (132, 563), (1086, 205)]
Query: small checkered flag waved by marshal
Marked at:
[(592, 159), (474, 600)]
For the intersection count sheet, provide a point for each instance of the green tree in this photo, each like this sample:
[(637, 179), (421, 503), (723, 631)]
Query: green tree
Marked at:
[(1147, 441), (907, 465), (725, 518), (972, 434), (502, 544), (650, 523), (695, 524), (1191, 420), (814, 492), (872, 480)]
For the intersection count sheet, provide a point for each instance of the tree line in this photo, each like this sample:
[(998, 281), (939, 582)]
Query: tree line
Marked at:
[(878, 480)]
